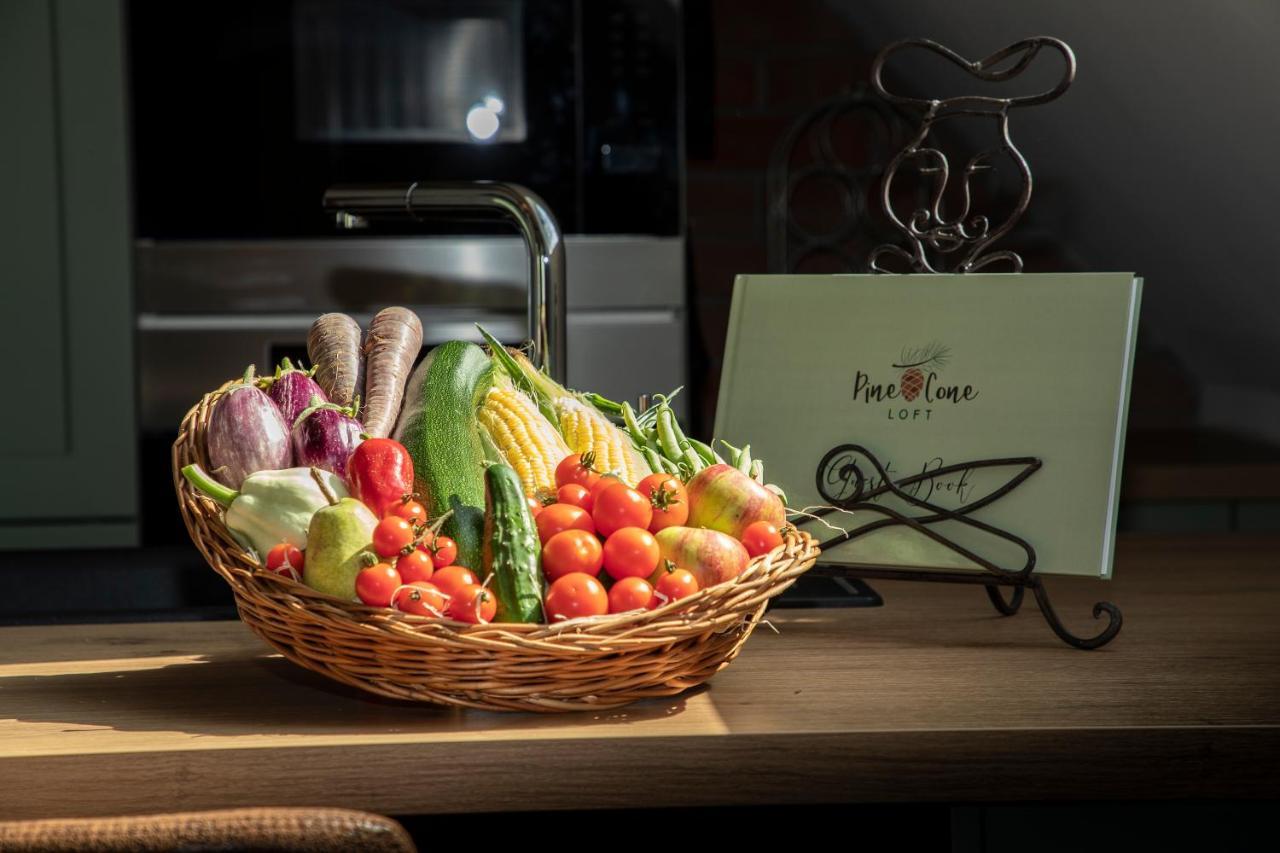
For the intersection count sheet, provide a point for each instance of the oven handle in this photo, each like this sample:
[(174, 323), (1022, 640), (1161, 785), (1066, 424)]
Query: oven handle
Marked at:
[(357, 205)]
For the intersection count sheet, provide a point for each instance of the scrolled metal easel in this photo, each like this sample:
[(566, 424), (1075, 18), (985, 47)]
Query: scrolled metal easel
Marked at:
[(843, 461), (929, 230)]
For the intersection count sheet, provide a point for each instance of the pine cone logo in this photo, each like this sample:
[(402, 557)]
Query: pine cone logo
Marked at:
[(911, 384), (914, 362)]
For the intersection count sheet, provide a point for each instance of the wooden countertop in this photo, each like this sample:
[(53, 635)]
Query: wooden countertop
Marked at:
[(931, 698)]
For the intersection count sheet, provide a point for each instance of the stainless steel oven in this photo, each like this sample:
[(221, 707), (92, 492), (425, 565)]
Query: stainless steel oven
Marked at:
[(243, 116)]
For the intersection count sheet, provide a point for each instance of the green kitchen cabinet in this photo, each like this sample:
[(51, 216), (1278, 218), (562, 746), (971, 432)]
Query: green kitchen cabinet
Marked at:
[(67, 437)]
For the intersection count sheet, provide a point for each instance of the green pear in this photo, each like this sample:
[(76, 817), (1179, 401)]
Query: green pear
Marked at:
[(338, 546)]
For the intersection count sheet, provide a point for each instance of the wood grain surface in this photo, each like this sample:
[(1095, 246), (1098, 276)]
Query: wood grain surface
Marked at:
[(930, 698)]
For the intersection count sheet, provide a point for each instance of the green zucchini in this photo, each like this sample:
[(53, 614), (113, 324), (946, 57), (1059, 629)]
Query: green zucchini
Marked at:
[(439, 428), (511, 549)]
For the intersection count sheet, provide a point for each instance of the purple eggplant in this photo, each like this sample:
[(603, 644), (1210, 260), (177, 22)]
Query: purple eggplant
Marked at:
[(325, 435), (246, 433), (291, 389)]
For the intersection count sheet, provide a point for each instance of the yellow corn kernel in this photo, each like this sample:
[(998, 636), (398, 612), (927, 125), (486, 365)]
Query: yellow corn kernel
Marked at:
[(587, 430), (528, 441)]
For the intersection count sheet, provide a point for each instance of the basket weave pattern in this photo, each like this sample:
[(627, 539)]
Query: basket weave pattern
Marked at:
[(600, 662)]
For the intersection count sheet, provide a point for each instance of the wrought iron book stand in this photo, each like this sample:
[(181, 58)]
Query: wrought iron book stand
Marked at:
[(932, 237)]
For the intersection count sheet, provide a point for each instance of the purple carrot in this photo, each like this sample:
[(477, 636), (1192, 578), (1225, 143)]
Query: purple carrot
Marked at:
[(292, 388), (246, 434), (325, 435)]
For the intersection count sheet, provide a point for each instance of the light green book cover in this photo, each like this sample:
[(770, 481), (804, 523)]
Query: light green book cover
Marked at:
[(933, 370)]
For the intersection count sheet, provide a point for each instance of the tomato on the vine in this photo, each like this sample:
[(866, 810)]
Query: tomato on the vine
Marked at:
[(475, 604), (668, 498), (286, 560), (420, 598), (760, 537), (673, 584), (443, 551), (631, 552), (577, 468), (572, 551), (415, 566), (376, 584), (453, 579), (620, 506), (574, 495), (558, 517), (392, 535), (410, 510), (576, 595), (630, 594)]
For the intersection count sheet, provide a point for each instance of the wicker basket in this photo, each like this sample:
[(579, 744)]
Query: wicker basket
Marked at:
[(594, 663)]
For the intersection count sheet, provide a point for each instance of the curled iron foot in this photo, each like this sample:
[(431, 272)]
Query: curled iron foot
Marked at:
[(1114, 620), (1006, 608)]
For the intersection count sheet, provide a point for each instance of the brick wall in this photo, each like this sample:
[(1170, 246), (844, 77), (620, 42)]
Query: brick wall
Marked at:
[(773, 61)]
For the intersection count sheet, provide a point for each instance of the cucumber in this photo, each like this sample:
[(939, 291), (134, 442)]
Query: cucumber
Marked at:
[(439, 428), (511, 549)]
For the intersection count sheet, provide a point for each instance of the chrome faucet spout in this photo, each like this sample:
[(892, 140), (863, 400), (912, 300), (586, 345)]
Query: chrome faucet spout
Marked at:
[(361, 205)]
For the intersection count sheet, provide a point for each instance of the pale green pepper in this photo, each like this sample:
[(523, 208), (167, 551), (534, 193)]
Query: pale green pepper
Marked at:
[(271, 506)]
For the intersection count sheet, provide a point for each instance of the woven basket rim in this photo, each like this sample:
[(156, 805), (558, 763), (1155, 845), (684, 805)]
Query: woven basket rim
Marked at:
[(717, 607)]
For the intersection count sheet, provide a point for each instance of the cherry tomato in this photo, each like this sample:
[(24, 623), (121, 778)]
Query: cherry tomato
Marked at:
[(605, 481), (577, 468), (620, 506), (630, 594), (452, 579), (443, 552), (376, 584), (668, 498), (574, 495), (631, 552), (576, 595), (420, 598), (558, 517), (535, 506), (285, 559), (571, 551), (415, 566), (474, 604), (391, 535), (411, 511), (673, 585), (760, 537)]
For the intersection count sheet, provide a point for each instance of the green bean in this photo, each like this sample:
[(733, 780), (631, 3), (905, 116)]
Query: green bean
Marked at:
[(690, 456), (655, 461), (757, 471), (666, 435), (708, 455), (744, 460), (668, 466), (629, 419)]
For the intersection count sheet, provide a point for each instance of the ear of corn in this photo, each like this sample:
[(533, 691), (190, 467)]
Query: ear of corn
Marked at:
[(587, 430), (527, 441), (583, 427)]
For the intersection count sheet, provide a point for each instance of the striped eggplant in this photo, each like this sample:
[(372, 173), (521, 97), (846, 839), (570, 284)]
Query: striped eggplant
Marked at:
[(325, 435), (291, 389), (246, 434)]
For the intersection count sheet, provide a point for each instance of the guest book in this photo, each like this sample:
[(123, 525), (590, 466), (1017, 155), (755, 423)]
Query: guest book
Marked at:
[(929, 371)]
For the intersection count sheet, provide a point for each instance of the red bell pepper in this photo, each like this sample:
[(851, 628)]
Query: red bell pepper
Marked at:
[(380, 473)]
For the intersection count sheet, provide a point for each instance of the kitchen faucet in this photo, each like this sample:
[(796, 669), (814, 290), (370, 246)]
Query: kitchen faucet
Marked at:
[(357, 205)]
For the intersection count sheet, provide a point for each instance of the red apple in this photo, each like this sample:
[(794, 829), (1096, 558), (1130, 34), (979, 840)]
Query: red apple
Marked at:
[(723, 498), (711, 556)]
